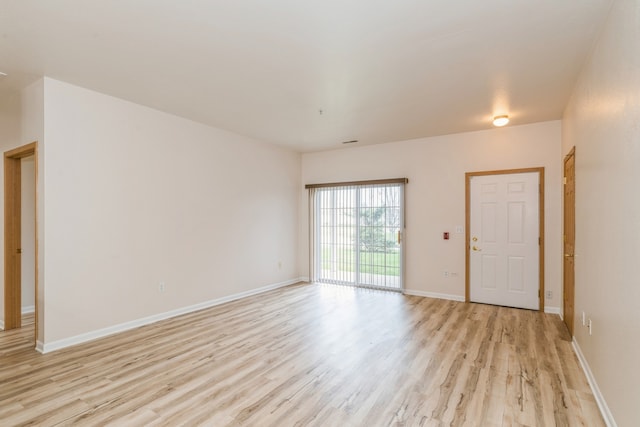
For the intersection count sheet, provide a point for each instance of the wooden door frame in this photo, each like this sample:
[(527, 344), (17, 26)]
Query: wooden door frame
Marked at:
[(565, 290), (467, 276), (12, 235)]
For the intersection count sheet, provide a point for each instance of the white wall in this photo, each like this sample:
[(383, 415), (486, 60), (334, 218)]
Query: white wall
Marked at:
[(9, 138), (9, 119), (27, 234), (603, 122), (135, 197), (435, 195), (32, 130)]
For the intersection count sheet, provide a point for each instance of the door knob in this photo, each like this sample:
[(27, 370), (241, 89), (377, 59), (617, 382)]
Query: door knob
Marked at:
[(475, 248)]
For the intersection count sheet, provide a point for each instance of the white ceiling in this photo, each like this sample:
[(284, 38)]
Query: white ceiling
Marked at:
[(379, 70)]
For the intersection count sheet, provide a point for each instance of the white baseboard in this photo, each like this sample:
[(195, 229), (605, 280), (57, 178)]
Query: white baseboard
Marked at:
[(552, 310), (100, 333), (433, 295), (39, 347), (305, 279), (604, 409), (1, 324)]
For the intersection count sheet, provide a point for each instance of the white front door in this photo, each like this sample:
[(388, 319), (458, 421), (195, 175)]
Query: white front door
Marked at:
[(504, 239)]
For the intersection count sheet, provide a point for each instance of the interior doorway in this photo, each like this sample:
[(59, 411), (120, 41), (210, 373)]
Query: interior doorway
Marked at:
[(13, 239), (505, 238), (569, 240)]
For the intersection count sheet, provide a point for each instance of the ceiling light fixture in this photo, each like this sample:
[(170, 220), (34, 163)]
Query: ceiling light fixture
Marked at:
[(500, 120), (3, 74)]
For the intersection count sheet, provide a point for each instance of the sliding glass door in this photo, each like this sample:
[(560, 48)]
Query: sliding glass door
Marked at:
[(358, 235)]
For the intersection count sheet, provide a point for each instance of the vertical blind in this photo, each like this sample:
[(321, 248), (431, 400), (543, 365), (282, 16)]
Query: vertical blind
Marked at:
[(356, 233)]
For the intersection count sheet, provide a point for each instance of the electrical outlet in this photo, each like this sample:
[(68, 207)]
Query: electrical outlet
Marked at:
[(161, 287), (549, 294), (590, 329)]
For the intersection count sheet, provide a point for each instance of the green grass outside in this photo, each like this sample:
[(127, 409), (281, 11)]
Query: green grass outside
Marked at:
[(370, 262)]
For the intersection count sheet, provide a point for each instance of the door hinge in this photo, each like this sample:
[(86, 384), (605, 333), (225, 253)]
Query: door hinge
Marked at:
[(564, 180)]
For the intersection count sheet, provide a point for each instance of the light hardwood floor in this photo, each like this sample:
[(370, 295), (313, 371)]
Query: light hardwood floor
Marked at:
[(308, 355)]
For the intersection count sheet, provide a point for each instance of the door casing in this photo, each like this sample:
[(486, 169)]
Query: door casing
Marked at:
[(12, 236), (467, 275), (568, 260)]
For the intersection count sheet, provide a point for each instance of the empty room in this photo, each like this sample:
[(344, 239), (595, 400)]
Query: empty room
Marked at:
[(340, 213)]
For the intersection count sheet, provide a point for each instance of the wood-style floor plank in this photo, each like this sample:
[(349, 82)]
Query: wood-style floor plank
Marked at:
[(308, 355)]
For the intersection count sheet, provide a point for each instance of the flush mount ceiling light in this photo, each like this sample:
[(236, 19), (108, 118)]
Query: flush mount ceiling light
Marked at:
[(500, 120)]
